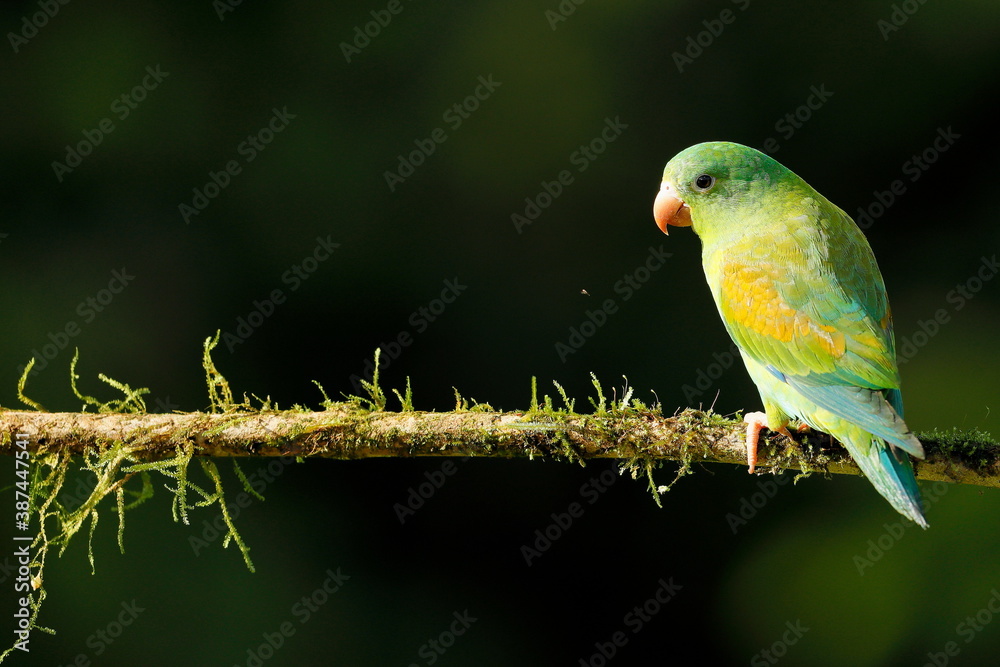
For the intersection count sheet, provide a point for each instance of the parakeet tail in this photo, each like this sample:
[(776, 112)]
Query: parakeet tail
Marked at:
[(892, 475)]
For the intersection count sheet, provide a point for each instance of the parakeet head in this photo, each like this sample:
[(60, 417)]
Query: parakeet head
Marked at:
[(707, 184)]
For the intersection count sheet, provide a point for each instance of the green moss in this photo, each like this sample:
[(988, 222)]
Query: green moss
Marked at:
[(599, 409), (461, 404), (977, 449), (132, 402), (219, 393), (120, 474), (21, 383), (327, 404), (405, 401)]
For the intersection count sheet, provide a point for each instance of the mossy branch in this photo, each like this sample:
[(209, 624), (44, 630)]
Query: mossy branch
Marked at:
[(352, 431), (122, 441)]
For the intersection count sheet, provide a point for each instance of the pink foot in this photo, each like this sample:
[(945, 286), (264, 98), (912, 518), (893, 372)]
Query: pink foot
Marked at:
[(755, 421)]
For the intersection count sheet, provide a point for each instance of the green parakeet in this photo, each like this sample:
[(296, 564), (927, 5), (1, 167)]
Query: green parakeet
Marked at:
[(800, 293)]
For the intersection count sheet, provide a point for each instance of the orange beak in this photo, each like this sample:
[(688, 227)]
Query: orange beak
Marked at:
[(669, 210)]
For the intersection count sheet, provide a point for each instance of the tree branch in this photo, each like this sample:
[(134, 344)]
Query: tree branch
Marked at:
[(348, 431)]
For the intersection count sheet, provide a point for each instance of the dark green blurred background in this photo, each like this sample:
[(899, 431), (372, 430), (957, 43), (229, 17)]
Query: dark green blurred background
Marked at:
[(793, 564)]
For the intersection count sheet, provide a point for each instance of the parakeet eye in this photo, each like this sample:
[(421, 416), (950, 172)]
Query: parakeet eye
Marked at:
[(704, 183)]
